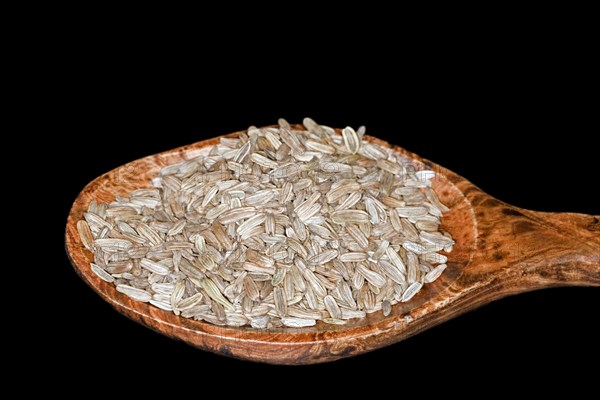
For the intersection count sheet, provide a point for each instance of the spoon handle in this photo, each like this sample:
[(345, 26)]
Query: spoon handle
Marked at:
[(520, 250)]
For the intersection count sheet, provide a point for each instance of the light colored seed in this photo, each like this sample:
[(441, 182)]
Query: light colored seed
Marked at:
[(414, 247), (358, 280), (113, 245), (119, 267), (386, 306), (412, 270), (392, 271), (411, 291), (236, 215), (349, 314), (260, 322), (85, 233), (304, 314), (200, 243), (190, 302), (433, 199), (434, 273), (177, 228), (353, 216), (298, 279), (101, 273), (315, 283), (309, 212), (319, 147), (428, 226), (434, 258), (244, 229), (350, 201), (297, 247), (95, 222), (212, 290), (391, 167), (134, 293), (372, 277), (299, 229), (381, 250), (393, 202), (161, 304), (372, 210), (279, 298), (154, 267), (436, 238), (258, 258), (298, 322), (335, 194), (351, 140), (177, 295), (264, 161), (305, 205), (409, 230), (242, 153), (236, 319), (287, 170), (324, 257), (395, 259), (353, 257), (332, 307), (149, 234), (163, 288), (217, 211), (357, 235), (346, 294), (279, 276), (335, 167), (261, 269), (291, 140), (412, 212), (333, 321)]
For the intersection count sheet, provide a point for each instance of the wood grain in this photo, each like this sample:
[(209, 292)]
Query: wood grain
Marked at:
[(501, 250)]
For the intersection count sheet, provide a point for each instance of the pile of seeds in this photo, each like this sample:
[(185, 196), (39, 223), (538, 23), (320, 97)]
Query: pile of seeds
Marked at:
[(278, 226)]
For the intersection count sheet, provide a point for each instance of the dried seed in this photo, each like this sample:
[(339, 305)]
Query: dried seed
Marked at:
[(411, 291), (395, 259), (324, 257), (236, 215), (298, 322), (279, 298), (332, 307), (345, 216), (212, 290), (386, 306), (372, 277), (434, 273), (134, 293), (351, 140), (353, 257), (101, 273), (154, 267), (85, 233)]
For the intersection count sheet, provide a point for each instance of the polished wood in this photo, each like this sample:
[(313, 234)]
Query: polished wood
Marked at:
[(501, 250)]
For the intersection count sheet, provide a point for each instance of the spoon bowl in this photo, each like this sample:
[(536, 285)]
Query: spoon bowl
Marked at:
[(500, 250)]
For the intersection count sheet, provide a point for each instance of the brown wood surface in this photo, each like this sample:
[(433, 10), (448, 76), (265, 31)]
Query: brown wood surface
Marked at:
[(501, 250)]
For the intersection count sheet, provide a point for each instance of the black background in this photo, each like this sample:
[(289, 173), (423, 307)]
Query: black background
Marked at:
[(518, 131)]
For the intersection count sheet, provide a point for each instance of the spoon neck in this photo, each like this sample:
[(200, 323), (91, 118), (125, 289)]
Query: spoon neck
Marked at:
[(531, 250), (568, 245)]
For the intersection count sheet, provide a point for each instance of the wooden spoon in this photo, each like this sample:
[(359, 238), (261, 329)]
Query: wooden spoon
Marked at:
[(500, 250)]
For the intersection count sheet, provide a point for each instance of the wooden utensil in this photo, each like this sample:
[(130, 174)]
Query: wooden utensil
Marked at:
[(500, 250)]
